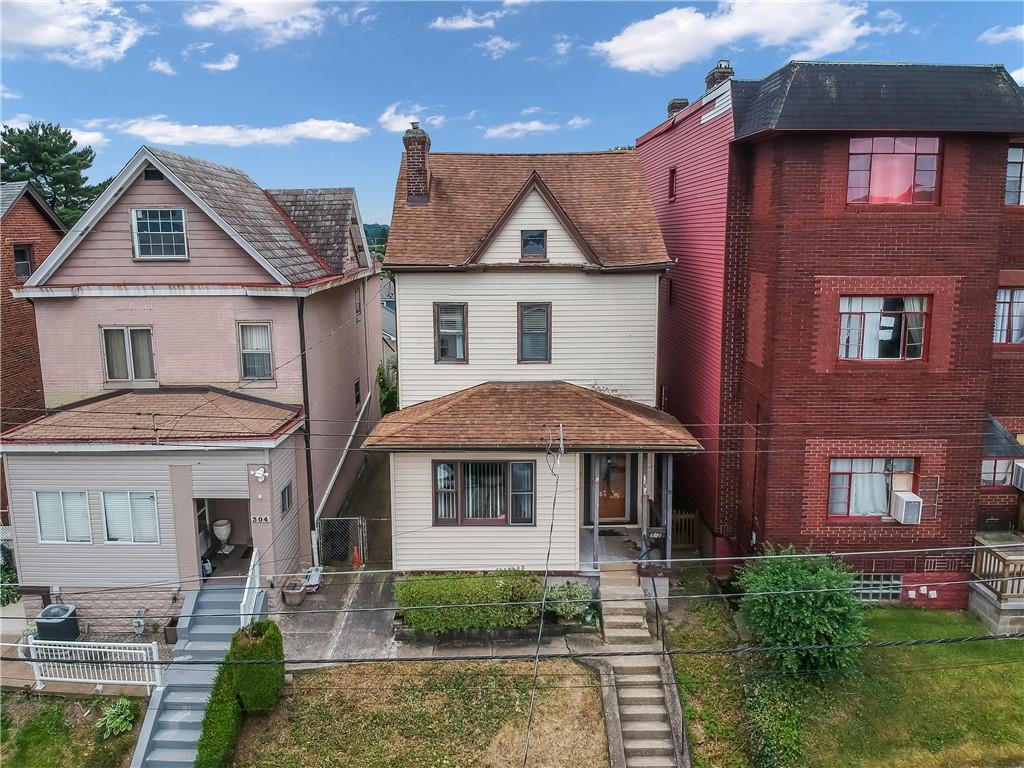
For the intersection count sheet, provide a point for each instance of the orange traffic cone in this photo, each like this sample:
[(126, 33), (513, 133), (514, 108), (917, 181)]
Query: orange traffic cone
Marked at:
[(356, 560)]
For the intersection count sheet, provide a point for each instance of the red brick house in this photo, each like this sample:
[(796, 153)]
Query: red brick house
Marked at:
[(843, 326), (31, 230)]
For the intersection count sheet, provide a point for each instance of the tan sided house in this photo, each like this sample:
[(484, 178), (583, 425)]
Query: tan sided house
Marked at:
[(207, 362), (527, 303)]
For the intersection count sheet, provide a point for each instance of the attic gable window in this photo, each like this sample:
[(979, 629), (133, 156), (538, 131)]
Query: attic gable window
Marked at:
[(893, 170), (159, 233), (534, 245)]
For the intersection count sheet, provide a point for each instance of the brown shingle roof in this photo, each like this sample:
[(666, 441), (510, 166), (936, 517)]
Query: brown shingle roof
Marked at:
[(525, 416), (602, 193), (164, 415)]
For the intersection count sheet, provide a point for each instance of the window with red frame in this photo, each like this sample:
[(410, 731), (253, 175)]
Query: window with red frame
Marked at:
[(893, 169), (862, 487), (996, 472), (1015, 176), (1009, 327), (882, 327)]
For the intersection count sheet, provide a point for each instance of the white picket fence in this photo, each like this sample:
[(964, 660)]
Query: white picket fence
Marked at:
[(251, 592), (96, 663)]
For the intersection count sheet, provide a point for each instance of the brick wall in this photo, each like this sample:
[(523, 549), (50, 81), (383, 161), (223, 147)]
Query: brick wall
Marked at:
[(20, 379)]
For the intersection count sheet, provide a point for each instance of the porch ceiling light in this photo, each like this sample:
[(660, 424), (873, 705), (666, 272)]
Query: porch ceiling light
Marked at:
[(260, 473)]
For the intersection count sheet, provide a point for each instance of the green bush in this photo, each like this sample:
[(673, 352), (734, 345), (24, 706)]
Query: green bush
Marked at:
[(773, 706), (806, 618), (387, 384), (118, 717), (258, 685), (9, 592), (462, 589), (570, 600), (221, 723)]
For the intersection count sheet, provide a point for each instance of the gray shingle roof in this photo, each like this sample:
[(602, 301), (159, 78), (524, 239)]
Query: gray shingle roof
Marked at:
[(10, 191), (244, 206), (324, 217), (824, 95)]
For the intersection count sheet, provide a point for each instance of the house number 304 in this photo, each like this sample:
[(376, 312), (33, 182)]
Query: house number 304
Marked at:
[(261, 518)]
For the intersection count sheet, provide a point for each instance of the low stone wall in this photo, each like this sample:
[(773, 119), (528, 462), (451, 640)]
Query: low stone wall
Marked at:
[(997, 618)]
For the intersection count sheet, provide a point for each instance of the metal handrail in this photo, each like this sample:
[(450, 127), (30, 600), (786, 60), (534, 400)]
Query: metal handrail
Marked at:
[(250, 593)]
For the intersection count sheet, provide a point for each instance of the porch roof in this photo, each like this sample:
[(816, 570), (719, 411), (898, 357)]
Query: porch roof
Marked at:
[(526, 416), (161, 415)]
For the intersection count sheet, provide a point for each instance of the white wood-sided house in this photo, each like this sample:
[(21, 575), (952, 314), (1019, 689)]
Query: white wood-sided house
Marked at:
[(527, 294), (206, 356)]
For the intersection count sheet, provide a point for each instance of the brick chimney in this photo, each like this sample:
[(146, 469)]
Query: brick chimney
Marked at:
[(675, 106), (721, 72), (417, 168)]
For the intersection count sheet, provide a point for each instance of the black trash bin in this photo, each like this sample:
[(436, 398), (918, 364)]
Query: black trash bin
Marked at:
[(58, 622)]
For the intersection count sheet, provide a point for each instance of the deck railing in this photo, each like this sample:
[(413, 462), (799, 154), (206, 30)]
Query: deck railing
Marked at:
[(251, 592), (96, 663), (1001, 570)]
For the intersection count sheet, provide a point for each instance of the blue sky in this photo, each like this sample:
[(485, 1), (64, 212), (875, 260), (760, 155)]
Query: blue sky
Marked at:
[(306, 93)]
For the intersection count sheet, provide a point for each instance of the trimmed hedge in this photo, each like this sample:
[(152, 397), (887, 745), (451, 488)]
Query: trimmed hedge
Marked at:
[(570, 600), (258, 685), (462, 589), (221, 723)]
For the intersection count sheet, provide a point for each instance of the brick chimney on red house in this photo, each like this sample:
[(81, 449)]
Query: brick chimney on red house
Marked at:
[(719, 73), (417, 168)]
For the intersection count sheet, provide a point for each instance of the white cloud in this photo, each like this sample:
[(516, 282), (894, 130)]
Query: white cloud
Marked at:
[(85, 138), (675, 37), (191, 48), (563, 44), (158, 129), (272, 22), (226, 64), (532, 110), (576, 121), (519, 129), (1018, 75), (396, 117), (7, 93), (468, 19), (996, 35), (435, 121), (163, 66), (80, 33), (497, 46), (361, 14)]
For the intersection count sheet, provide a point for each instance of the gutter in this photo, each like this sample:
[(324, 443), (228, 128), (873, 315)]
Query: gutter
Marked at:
[(307, 437)]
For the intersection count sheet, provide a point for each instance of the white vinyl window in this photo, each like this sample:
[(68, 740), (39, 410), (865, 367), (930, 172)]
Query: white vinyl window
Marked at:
[(159, 233), (128, 354), (130, 517), (255, 346), (62, 517)]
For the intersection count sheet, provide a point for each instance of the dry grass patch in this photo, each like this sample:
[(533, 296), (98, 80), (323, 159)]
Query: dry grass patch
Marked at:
[(430, 715)]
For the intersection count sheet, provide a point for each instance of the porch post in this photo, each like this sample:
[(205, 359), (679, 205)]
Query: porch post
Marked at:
[(595, 504), (666, 504), (645, 497)]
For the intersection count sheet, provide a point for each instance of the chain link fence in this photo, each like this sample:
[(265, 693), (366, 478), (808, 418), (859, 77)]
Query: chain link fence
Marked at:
[(340, 538)]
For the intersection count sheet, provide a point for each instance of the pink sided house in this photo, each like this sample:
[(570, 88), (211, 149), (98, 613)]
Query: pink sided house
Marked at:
[(206, 356)]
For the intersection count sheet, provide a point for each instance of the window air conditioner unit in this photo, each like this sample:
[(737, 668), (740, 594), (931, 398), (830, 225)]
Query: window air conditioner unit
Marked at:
[(905, 507), (1018, 475)]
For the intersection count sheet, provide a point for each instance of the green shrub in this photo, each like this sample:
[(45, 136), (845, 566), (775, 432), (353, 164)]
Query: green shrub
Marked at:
[(773, 706), (9, 592), (570, 600), (387, 385), (258, 685), (462, 589), (118, 717), (807, 618), (221, 723)]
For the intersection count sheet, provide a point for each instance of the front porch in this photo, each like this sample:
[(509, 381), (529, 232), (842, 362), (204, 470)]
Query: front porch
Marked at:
[(998, 598)]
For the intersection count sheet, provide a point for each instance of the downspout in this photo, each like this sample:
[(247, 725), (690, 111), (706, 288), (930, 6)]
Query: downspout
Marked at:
[(310, 504)]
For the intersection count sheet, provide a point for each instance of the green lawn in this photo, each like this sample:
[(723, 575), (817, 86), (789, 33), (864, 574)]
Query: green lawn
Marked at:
[(949, 706), (39, 731)]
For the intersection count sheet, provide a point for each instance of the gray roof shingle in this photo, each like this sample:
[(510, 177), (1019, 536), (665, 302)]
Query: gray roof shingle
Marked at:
[(324, 217), (11, 192), (842, 96)]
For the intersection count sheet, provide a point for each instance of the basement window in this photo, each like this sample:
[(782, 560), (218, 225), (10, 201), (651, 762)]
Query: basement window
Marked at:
[(878, 587)]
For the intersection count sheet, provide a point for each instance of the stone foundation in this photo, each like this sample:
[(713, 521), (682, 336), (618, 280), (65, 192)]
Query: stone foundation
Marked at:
[(997, 618)]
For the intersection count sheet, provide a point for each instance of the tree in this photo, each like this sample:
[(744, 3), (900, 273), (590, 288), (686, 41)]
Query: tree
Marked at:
[(48, 156)]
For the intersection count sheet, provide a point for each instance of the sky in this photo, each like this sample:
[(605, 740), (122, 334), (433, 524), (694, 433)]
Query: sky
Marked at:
[(301, 93)]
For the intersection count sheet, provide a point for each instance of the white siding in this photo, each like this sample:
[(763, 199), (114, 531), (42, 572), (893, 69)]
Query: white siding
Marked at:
[(419, 545), (286, 526), (533, 213), (603, 328)]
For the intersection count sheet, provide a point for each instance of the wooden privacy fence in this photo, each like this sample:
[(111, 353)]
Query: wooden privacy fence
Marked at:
[(684, 528), (96, 663)]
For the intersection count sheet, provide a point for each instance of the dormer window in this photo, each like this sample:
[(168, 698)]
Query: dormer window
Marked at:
[(534, 244), (159, 233)]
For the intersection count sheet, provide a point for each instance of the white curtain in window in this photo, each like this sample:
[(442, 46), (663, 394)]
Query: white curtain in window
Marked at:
[(142, 353), (1002, 315), (873, 330), (51, 517), (451, 327), (869, 494), (484, 490), (144, 523), (444, 489), (1017, 318), (117, 516), (256, 351), (116, 352)]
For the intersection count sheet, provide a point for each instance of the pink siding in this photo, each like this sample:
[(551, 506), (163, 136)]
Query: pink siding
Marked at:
[(105, 256), (195, 341), (694, 228)]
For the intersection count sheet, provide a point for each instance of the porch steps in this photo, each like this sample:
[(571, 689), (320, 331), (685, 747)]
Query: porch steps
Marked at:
[(643, 714), (174, 720)]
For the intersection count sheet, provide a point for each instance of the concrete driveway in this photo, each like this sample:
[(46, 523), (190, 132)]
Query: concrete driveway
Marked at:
[(339, 633)]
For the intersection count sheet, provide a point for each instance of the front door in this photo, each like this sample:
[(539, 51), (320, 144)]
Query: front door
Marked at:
[(612, 469)]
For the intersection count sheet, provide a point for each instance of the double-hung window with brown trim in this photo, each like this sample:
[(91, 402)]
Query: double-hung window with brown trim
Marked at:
[(484, 492), (534, 331), (451, 339)]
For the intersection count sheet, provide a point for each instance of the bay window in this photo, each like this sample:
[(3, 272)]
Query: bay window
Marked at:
[(893, 169), (62, 517), (882, 327), (862, 487), (1009, 327), (128, 354), (130, 517), (484, 492)]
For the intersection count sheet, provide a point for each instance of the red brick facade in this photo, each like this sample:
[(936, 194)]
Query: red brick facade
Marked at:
[(21, 382), (788, 404)]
